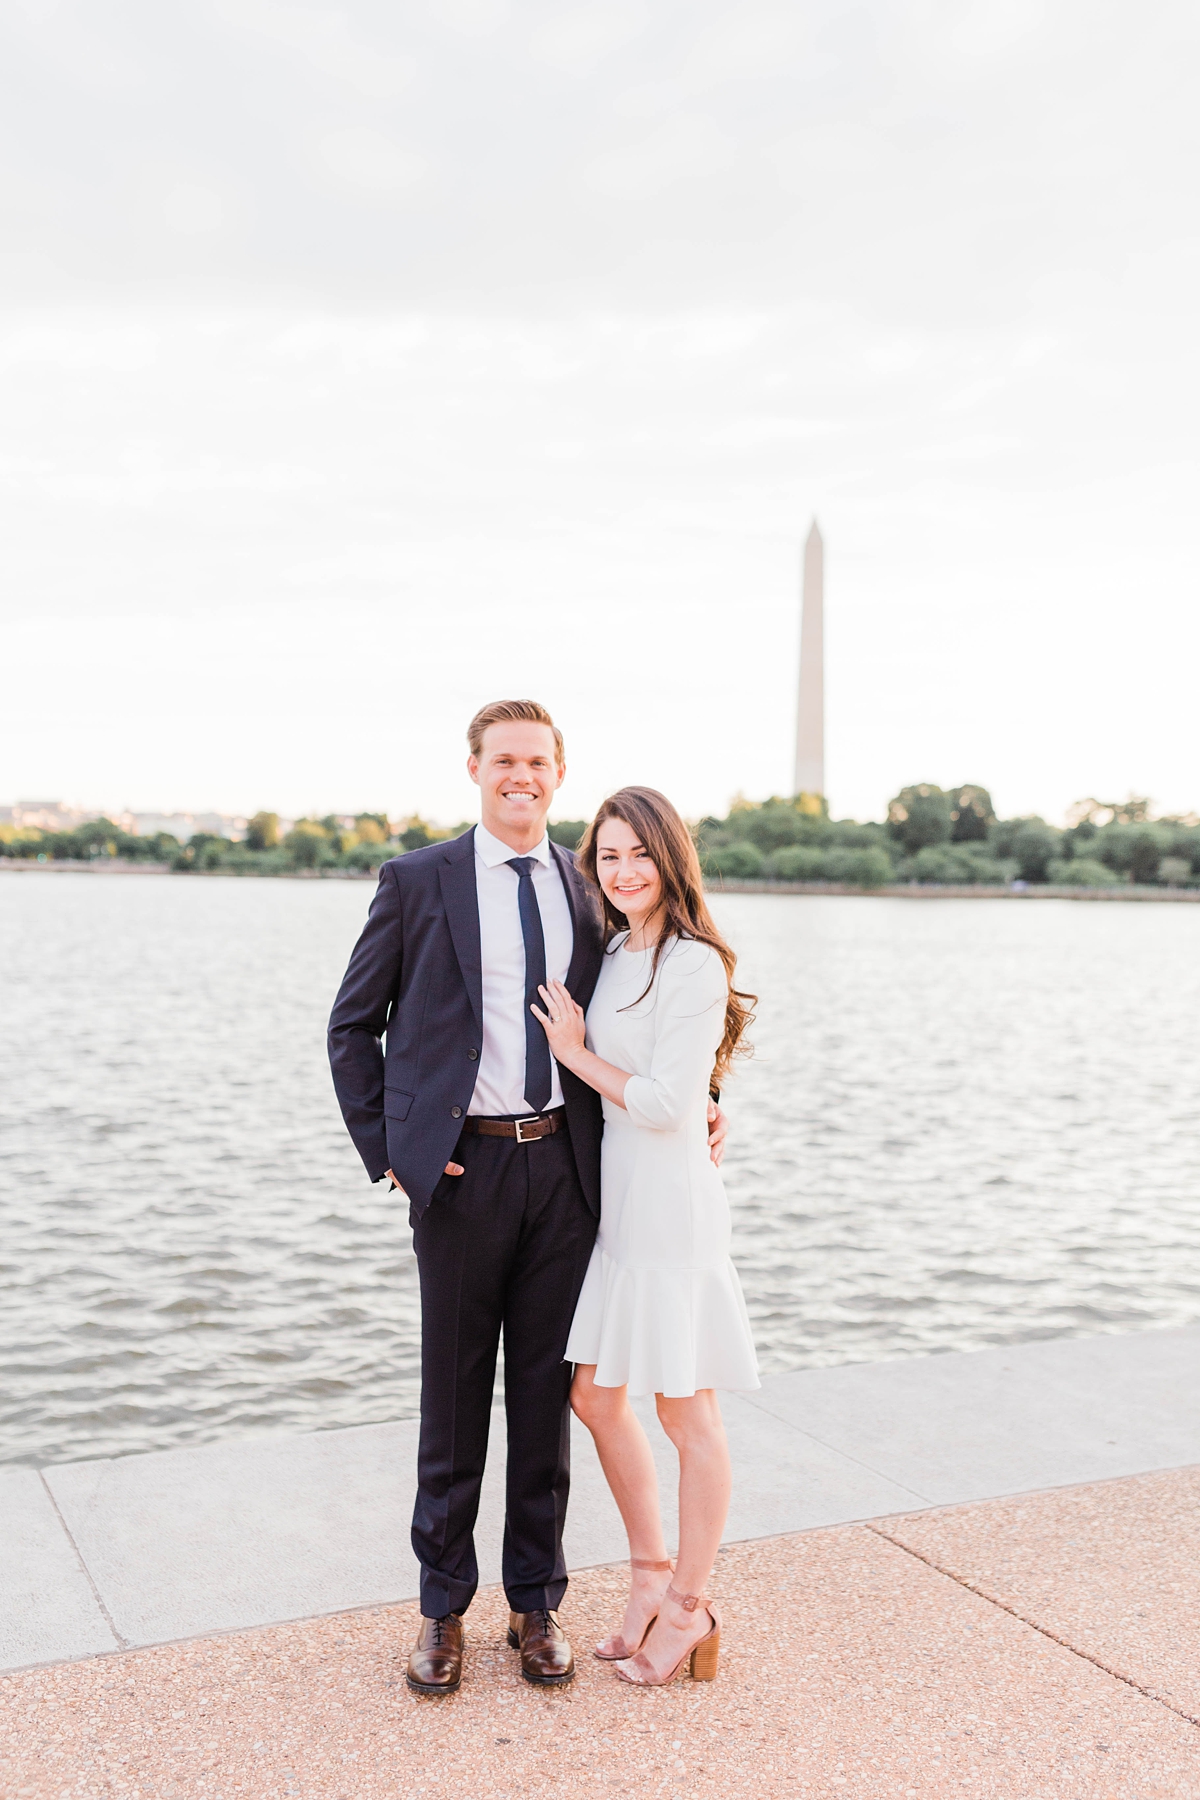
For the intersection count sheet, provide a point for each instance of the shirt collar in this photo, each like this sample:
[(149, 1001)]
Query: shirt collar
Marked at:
[(491, 852)]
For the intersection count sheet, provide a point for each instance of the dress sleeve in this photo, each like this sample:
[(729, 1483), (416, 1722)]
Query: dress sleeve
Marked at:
[(689, 1022)]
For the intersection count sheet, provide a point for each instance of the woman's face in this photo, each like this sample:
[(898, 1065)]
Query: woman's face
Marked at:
[(627, 875)]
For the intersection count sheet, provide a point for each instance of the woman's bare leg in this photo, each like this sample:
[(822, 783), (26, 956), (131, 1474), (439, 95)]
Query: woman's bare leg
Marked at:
[(695, 1427), (628, 1464)]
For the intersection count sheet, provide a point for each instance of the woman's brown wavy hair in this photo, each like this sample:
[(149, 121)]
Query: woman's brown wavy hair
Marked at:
[(668, 842)]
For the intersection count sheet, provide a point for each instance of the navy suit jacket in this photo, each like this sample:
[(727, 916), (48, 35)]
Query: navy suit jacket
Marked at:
[(416, 977)]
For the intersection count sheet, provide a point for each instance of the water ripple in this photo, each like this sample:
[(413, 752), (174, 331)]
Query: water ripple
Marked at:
[(968, 1123)]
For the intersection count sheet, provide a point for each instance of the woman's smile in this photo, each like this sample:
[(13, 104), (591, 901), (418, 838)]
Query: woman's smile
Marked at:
[(629, 877)]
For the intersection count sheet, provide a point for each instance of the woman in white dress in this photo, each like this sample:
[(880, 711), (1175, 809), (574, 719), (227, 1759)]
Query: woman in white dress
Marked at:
[(661, 1311)]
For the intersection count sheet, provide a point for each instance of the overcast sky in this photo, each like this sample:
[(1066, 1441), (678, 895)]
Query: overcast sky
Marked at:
[(364, 363)]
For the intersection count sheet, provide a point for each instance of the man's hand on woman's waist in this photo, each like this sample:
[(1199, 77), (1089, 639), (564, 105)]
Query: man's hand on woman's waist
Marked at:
[(718, 1131)]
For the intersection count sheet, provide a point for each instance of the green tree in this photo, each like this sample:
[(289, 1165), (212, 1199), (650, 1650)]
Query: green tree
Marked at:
[(984, 866), (774, 824), (941, 863), (1077, 841), (262, 833), (308, 844), (1079, 871), (1114, 844), (416, 834), (741, 862), (859, 868), (1147, 854), (99, 837), (921, 815), (848, 834), (812, 806), (796, 862), (567, 832), (23, 841), (365, 855), (972, 813), (1034, 846)]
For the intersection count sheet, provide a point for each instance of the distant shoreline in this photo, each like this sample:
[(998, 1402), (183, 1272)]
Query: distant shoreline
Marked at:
[(972, 891), (814, 889)]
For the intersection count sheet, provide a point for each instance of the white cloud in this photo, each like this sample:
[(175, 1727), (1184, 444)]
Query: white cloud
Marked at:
[(988, 28), (193, 211), (378, 524), (575, 39), (323, 38), (370, 160), (687, 147), (751, 41), (470, 18)]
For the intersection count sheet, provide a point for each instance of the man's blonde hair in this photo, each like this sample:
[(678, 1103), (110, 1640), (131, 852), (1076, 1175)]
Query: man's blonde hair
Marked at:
[(512, 712)]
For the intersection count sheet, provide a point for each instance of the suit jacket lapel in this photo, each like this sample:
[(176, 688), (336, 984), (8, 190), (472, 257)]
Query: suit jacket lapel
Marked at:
[(581, 976), (456, 873)]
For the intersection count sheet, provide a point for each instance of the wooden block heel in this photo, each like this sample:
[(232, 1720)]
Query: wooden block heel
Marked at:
[(704, 1657)]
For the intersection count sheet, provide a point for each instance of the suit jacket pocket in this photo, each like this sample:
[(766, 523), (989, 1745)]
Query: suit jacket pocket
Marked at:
[(396, 1104)]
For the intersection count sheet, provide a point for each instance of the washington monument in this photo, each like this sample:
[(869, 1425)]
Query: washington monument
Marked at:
[(810, 708)]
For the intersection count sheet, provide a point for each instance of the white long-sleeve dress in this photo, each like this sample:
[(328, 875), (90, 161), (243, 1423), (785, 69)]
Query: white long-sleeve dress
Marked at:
[(661, 1307)]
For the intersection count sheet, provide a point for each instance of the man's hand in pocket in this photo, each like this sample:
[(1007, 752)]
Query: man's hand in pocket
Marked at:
[(451, 1169)]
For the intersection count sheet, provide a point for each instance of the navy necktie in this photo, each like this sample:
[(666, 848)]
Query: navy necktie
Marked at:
[(537, 1050)]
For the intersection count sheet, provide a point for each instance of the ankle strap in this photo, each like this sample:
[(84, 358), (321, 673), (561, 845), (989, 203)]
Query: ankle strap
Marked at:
[(689, 1602), (635, 1562)]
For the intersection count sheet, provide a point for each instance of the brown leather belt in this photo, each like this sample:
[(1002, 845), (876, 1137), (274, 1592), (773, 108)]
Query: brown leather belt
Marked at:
[(540, 1125)]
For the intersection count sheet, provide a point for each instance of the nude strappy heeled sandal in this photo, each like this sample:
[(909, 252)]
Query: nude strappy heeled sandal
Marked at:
[(701, 1659), (623, 1653)]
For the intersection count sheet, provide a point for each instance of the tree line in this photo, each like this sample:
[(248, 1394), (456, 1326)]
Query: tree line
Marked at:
[(951, 837), (319, 845), (931, 836)]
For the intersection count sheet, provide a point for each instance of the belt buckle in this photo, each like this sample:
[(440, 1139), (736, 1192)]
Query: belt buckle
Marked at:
[(521, 1123)]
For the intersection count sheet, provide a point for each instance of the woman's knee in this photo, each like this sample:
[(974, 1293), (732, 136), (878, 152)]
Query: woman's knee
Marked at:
[(594, 1405), (692, 1421)]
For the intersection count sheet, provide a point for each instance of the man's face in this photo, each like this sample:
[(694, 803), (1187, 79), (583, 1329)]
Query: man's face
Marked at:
[(517, 777)]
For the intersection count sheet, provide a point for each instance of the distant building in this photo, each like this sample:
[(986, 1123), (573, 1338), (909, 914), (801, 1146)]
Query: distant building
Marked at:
[(230, 825), (56, 815), (184, 825), (180, 825), (44, 815)]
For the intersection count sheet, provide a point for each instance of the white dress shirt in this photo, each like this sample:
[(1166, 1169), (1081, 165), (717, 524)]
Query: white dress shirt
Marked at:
[(500, 1085)]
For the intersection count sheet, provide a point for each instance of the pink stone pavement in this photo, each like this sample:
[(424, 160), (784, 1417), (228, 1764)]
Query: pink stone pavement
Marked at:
[(1035, 1649), (1113, 1570)]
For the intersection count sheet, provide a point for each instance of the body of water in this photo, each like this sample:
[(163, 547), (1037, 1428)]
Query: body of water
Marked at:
[(968, 1122)]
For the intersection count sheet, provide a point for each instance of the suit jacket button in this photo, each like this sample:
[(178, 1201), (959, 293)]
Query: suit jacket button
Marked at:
[(456, 1112), (473, 1054)]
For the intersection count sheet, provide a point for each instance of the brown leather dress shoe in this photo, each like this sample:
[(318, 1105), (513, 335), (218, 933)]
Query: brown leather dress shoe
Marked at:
[(546, 1656), (435, 1666)]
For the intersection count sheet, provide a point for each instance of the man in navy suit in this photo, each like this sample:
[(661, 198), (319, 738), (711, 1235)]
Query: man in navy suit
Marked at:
[(498, 1151)]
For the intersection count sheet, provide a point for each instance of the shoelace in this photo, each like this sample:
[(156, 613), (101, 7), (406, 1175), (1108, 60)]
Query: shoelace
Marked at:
[(543, 1614), (437, 1629)]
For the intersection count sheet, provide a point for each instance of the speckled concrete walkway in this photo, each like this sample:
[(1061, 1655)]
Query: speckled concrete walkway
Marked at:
[(128, 1552), (1042, 1648)]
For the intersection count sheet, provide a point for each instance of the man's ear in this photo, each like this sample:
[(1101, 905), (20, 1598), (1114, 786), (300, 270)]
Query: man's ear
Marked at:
[(562, 775), (473, 768)]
